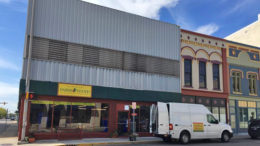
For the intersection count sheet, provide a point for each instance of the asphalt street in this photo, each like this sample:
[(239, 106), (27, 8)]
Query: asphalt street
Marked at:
[(8, 128), (237, 141)]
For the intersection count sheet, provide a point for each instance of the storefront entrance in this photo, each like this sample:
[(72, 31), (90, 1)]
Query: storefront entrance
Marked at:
[(122, 123), (241, 113)]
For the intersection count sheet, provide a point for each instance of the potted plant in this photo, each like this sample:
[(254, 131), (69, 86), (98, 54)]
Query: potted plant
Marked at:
[(114, 134), (132, 136), (31, 138)]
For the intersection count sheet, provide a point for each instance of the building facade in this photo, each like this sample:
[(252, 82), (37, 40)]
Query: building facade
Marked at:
[(89, 63), (244, 102), (248, 34), (204, 72)]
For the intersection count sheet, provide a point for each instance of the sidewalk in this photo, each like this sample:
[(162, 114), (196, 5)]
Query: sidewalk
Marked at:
[(12, 141)]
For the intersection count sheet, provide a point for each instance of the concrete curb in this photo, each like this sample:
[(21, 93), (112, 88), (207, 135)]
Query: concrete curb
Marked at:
[(106, 143)]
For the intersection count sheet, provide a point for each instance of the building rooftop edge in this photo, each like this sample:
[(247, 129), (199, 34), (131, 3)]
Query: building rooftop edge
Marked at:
[(120, 11), (203, 35)]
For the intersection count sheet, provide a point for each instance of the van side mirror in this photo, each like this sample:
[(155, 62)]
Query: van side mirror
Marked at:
[(216, 122)]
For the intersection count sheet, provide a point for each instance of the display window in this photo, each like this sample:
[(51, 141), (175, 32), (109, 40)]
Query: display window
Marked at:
[(142, 119), (52, 116)]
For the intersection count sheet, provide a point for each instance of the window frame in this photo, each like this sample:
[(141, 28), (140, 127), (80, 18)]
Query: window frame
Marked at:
[(203, 74), (214, 76), (252, 79), (236, 81), (186, 84)]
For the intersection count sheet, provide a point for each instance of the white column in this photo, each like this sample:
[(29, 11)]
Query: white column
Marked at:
[(209, 75), (195, 74)]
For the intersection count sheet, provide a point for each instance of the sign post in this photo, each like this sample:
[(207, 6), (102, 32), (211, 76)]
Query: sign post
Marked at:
[(133, 136)]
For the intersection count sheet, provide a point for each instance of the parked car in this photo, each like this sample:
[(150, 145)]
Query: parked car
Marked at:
[(254, 129), (12, 118), (185, 122)]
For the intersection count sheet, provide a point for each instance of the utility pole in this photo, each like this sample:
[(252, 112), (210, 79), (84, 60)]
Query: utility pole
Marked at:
[(25, 107)]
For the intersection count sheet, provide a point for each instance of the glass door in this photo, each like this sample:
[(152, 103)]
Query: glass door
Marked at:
[(122, 123), (243, 119)]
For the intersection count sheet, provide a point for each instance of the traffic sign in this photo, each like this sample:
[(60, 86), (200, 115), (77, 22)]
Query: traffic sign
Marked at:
[(134, 114), (133, 105)]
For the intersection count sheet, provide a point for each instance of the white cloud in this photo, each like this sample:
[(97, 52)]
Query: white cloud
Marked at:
[(146, 8), (208, 29), (8, 65), (9, 93)]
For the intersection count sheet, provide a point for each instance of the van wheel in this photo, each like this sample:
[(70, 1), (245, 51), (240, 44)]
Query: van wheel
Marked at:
[(185, 137), (225, 137)]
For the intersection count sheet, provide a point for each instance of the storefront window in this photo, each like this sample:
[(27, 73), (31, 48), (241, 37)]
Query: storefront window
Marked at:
[(88, 117), (142, 119), (215, 112), (40, 117), (91, 117), (222, 114), (258, 110), (233, 121), (61, 116), (232, 103), (251, 114)]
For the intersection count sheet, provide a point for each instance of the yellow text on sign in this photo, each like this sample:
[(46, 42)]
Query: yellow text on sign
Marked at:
[(74, 90), (198, 127)]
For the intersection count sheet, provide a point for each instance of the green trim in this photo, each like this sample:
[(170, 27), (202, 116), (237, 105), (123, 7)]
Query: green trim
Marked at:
[(243, 98), (98, 92)]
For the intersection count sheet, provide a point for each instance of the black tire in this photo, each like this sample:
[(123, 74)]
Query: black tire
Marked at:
[(253, 137), (225, 137), (184, 138)]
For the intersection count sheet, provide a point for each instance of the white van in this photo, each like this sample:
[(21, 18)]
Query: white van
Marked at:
[(185, 122)]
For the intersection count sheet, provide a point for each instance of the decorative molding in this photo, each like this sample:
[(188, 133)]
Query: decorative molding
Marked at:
[(200, 44), (238, 70), (188, 47), (254, 73)]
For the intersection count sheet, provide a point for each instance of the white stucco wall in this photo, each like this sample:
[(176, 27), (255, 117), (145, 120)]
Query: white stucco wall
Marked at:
[(248, 35)]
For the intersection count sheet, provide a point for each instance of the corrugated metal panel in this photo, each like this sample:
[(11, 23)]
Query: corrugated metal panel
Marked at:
[(77, 74), (82, 54), (84, 23)]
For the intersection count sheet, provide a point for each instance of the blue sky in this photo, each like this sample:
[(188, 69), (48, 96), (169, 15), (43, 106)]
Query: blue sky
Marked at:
[(215, 17)]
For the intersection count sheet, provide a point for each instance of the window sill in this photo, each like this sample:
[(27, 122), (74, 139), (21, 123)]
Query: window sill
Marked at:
[(252, 94), (216, 89), (187, 86), (237, 93), (203, 88)]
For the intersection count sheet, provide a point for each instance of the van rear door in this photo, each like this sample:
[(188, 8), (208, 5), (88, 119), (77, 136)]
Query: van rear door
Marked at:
[(163, 118), (153, 119)]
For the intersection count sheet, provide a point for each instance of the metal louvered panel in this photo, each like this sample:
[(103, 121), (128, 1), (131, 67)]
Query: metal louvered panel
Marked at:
[(130, 61), (91, 56), (41, 49), (87, 55), (75, 53), (54, 71), (109, 58), (57, 50)]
